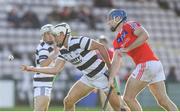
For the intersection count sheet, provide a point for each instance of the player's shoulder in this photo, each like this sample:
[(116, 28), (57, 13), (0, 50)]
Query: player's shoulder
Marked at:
[(78, 39), (131, 24), (40, 45), (43, 45), (75, 38)]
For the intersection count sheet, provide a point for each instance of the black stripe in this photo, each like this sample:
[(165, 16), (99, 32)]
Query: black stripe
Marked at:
[(41, 87), (38, 61), (43, 57), (88, 63), (37, 53), (60, 56), (50, 49), (87, 44), (64, 51), (106, 73), (80, 40), (74, 47), (42, 44), (83, 53), (97, 70), (72, 38), (44, 79)]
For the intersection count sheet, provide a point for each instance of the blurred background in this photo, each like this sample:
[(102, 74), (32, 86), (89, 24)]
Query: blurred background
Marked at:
[(20, 21)]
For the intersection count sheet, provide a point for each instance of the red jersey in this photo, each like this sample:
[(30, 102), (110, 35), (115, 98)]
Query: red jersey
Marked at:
[(126, 37)]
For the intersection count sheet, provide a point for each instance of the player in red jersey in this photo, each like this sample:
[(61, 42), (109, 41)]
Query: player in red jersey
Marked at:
[(131, 39)]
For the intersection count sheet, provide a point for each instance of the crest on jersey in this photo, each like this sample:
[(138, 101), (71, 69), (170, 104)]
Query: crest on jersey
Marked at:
[(122, 36)]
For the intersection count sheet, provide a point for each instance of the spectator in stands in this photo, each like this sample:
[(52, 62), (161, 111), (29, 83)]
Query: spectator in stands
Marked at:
[(176, 9), (30, 20), (67, 14), (163, 4), (54, 16), (103, 3), (171, 78), (85, 15), (12, 18)]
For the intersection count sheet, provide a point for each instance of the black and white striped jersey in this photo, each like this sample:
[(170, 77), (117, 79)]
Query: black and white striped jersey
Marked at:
[(78, 54), (42, 52)]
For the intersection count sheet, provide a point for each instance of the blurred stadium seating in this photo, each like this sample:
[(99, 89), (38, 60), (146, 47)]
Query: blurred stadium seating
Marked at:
[(163, 26)]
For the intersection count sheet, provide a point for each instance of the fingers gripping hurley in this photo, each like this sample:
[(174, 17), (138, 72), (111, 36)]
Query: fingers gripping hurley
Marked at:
[(107, 98)]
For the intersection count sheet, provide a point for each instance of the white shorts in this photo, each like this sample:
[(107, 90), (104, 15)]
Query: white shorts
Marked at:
[(42, 91), (150, 71), (99, 81)]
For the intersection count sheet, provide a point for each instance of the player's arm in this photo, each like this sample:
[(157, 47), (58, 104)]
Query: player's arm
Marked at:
[(52, 56), (142, 36), (102, 50), (116, 64), (90, 44), (59, 65)]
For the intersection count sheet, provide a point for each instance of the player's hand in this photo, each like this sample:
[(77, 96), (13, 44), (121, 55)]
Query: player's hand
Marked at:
[(123, 50), (27, 68)]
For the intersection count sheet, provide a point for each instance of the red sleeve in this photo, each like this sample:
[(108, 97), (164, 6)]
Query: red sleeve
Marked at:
[(132, 26)]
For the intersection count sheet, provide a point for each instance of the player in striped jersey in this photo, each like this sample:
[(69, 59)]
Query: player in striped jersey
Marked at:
[(44, 57), (80, 51)]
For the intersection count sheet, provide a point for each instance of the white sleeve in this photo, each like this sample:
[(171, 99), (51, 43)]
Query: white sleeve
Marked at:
[(85, 43), (43, 54)]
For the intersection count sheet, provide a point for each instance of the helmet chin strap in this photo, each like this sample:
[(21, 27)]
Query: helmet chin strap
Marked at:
[(61, 44), (113, 29)]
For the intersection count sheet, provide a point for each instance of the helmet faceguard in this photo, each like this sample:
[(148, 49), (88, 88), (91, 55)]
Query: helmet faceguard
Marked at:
[(62, 27), (117, 13)]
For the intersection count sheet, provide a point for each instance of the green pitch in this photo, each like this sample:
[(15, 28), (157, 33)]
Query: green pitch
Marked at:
[(60, 108)]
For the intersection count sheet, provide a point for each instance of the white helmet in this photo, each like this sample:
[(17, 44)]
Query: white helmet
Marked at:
[(46, 28), (62, 27)]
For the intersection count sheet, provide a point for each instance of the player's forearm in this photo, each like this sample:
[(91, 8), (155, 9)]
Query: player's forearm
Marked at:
[(46, 70), (104, 53), (46, 62), (116, 63), (50, 58)]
